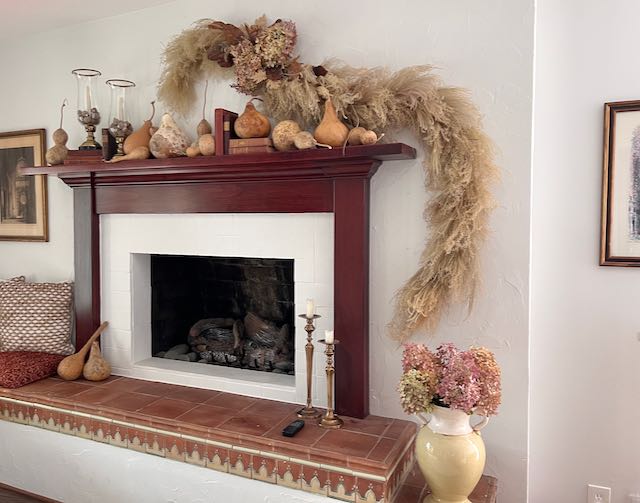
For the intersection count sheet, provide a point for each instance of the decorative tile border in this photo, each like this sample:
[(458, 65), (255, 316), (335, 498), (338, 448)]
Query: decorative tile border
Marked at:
[(270, 467)]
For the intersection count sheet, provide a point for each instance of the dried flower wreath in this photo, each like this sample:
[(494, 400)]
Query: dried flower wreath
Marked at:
[(459, 168)]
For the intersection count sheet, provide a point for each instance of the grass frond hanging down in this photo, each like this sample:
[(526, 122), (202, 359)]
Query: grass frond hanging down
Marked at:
[(185, 62)]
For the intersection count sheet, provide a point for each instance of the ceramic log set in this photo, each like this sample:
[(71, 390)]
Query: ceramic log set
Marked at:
[(72, 366)]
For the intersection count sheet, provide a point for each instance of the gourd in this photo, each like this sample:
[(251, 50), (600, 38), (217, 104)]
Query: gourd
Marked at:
[(193, 150), (141, 136), (137, 153), (361, 136), (204, 126), (331, 130), (207, 144), (283, 135), (169, 140), (305, 140), (96, 368), (58, 153), (354, 135), (71, 367), (251, 123)]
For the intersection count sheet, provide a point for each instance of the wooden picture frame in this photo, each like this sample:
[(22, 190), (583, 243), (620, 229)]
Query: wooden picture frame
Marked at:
[(23, 198)]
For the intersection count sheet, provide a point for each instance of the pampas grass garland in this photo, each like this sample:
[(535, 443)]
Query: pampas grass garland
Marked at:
[(459, 169)]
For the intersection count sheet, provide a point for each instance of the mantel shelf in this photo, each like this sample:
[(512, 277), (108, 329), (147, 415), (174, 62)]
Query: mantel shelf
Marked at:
[(301, 164)]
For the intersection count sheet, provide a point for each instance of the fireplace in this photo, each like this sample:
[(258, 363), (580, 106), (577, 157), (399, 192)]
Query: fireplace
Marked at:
[(166, 274), (231, 311), (334, 182)]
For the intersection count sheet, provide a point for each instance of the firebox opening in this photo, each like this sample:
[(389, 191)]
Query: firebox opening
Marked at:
[(236, 312)]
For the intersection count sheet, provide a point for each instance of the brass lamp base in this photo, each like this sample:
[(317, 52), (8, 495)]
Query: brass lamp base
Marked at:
[(119, 146), (309, 413), (90, 143)]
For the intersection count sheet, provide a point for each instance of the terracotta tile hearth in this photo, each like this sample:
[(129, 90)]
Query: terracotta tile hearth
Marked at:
[(367, 461)]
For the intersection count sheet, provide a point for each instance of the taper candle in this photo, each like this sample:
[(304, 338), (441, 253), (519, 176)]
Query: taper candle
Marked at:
[(328, 336)]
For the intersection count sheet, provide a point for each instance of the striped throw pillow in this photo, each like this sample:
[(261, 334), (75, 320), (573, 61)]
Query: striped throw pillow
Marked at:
[(36, 317)]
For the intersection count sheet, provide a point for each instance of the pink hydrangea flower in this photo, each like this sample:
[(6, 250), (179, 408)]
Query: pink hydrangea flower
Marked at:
[(463, 380)]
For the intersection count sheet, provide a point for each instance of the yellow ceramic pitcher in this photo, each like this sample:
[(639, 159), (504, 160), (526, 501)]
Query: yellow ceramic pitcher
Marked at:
[(451, 455)]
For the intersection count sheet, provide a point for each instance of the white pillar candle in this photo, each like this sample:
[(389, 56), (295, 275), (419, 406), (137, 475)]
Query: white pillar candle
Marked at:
[(87, 98), (328, 336), (121, 108), (310, 308)]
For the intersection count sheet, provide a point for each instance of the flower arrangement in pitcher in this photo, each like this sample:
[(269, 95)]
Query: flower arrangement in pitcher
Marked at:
[(464, 380)]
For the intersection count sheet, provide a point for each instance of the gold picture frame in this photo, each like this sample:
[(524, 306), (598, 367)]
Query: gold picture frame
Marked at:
[(23, 199)]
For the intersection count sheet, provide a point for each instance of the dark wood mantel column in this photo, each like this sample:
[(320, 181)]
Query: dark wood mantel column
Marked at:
[(351, 295), (286, 182), (86, 248)]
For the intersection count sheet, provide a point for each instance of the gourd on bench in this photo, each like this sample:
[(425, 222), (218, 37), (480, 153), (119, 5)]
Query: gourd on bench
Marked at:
[(96, 369)]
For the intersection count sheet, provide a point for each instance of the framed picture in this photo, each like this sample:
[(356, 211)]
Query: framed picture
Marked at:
[(23, 199)]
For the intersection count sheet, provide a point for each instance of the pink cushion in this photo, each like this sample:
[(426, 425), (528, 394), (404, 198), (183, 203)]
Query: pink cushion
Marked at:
[(19, 368)]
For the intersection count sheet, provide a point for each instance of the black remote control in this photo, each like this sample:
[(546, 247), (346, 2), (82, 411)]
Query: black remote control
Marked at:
[(293, 428)]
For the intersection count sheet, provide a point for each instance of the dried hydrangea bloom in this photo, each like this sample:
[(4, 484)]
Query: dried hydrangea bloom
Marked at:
[(488, 380), (276, 43), (458, 386), (419, 357), (416, 391), (248, 67)]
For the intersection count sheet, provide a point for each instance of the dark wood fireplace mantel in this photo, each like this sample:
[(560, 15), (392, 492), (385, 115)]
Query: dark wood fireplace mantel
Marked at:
[(332, 181)]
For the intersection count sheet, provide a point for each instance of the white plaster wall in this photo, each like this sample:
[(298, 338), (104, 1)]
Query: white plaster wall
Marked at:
[(585, 319), (41, 462), (484, 46)]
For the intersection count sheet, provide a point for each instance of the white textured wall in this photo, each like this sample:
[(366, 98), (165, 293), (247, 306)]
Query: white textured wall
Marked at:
[(484, 46), (585, 319)]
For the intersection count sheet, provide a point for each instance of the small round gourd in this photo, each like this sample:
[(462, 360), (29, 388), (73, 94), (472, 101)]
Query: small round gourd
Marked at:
[(368, 138), (283, 135), (305, 140), (207, 144), (193, 150), (251, 123)]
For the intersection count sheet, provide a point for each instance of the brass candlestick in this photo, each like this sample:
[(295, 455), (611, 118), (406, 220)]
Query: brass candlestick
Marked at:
[(309, 412), (330, 419)]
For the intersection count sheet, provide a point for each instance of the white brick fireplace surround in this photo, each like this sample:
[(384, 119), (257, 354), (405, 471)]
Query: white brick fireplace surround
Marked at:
[(127, 241)]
